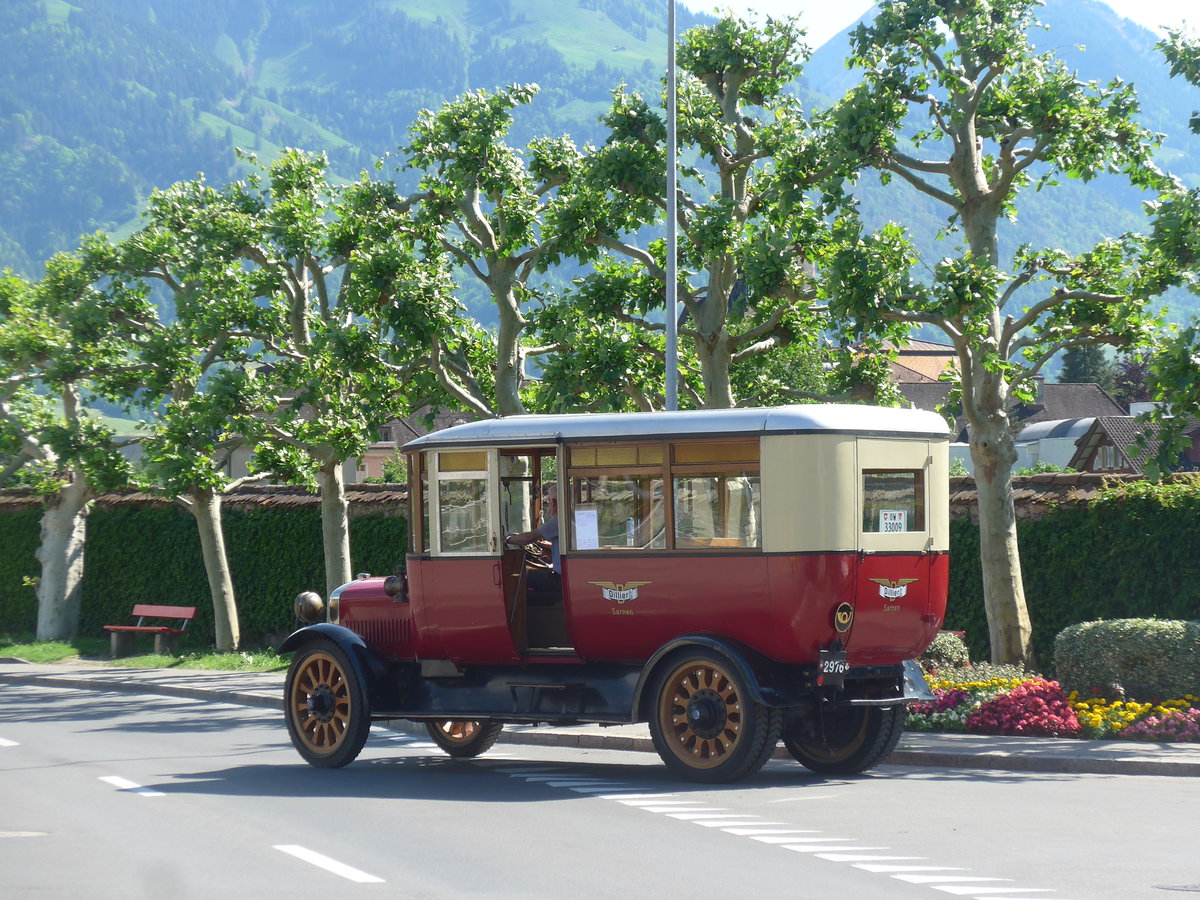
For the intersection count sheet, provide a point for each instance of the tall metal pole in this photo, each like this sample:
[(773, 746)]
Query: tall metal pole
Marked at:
[(672, 223)]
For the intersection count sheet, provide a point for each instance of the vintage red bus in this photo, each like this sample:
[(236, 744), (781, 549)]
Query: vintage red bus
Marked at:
[(731, 577)]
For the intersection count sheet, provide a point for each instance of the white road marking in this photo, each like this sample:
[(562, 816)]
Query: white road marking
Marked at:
[(966, 889), (21, 834), (131, 787), (628, 796), (329, 865), (819, 845), (855, 857), (721, 822), (4, 742)]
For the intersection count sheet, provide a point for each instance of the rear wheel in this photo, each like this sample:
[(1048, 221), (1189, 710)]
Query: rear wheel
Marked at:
[(704, 723), (326, 706), (849, 740), (464, 738)]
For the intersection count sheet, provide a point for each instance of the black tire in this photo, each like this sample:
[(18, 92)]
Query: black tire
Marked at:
[(704, 723), (325, 705), (464, 738), (856, 738)]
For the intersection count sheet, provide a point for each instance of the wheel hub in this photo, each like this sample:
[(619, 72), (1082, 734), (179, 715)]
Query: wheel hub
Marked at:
[(706, 714), (321, 703)]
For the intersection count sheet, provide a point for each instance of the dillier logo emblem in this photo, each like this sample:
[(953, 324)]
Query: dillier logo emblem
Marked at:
[(892, 590), (619, 593)]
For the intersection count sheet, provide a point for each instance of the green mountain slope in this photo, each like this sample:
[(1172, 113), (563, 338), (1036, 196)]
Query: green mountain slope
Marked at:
[(103, 100)]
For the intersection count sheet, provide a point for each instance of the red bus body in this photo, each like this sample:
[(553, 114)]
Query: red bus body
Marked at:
[(798, 553)]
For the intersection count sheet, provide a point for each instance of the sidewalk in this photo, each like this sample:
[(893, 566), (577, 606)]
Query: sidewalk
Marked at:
[(957, 751)]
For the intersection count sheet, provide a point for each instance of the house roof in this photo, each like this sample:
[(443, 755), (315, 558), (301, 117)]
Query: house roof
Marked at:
[(1056, 428), (1068, 401), (922, 361), (1123, 433)]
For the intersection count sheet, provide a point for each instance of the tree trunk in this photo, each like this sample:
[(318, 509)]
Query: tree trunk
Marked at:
[(64, 528), (205, 505), (994, 454), (713, 353), (508, 339), (335, 525)]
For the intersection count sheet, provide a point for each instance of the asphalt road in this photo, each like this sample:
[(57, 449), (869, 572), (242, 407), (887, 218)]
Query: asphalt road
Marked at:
[(117, 795)]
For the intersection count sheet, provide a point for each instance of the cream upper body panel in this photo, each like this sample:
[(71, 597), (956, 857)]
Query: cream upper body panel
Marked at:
[(812, 498)]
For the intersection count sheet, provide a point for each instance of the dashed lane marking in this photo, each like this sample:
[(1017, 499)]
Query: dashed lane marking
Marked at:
[(4, 742), (130, 787), (23, 834), (329, 865)]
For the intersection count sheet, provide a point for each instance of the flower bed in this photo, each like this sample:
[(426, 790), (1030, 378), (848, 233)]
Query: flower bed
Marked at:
[(998, 700)]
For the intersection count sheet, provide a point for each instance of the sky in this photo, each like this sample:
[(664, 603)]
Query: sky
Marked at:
[(824, 19)]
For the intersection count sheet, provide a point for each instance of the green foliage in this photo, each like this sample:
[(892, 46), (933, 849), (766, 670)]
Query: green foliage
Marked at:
[(151, 554), (1087, 365), (20, 537), (948, 651), (1144, 659), (1135, 551)]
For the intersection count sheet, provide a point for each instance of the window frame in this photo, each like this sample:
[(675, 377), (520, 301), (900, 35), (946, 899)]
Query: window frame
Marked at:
[(667, 471), (920, 499)]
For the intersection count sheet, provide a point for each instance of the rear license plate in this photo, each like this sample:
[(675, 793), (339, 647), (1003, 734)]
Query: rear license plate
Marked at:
[(832, 667)]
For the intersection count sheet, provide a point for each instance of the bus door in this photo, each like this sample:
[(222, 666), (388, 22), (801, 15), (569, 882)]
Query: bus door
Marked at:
[(459, 609), (537, 618)]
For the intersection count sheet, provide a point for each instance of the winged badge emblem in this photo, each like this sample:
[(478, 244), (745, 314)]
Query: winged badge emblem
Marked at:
[(619, 593), (892, 590)]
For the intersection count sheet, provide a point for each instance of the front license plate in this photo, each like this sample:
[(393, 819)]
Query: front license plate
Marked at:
[(832, 667)]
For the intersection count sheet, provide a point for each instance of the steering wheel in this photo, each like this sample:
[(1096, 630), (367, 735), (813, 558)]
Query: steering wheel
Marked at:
[(534, 554)]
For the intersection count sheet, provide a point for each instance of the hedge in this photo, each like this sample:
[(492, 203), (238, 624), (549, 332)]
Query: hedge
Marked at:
[(151, 554), (1143, 659), (1134, 552)]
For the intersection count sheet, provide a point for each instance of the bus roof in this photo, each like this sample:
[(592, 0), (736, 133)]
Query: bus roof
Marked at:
[(814, 418)]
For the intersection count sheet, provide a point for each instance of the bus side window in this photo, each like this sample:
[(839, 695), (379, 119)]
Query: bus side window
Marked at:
[(717, 510), (463, 502), (618, 512)]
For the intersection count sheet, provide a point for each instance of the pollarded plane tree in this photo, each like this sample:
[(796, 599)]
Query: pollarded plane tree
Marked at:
[(482, 204), (753, 223), (1001, 118), (54, 335)]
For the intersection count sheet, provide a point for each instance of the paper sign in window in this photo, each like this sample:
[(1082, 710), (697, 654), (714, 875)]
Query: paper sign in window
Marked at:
[(587, 529)]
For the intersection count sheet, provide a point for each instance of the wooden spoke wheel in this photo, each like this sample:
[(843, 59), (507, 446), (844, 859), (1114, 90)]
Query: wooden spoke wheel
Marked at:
[(326, 706), (464, 738), (846, 741), (704, 723)]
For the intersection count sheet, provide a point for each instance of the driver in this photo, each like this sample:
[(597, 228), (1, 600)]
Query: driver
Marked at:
[(546, 583)]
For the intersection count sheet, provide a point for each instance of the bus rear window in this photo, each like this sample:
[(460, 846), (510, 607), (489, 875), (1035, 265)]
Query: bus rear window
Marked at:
[(893, 500)]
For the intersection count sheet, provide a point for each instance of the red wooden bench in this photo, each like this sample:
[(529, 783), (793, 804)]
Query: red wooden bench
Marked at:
[(166, 637)]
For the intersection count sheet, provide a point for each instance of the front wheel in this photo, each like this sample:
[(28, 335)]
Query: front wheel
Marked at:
[(704, 723), (848, 741), (464, 738), (326, 706)]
